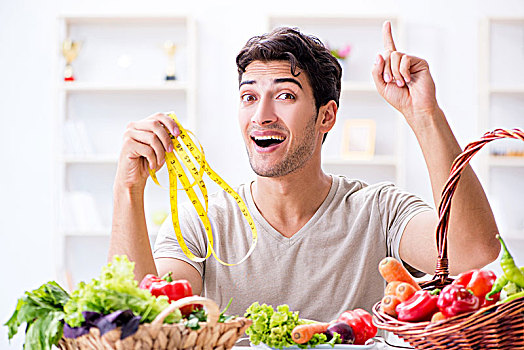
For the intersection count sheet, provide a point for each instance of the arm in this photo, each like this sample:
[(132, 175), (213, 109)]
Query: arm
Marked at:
[(406, 83), (181, 270), (144, 147)]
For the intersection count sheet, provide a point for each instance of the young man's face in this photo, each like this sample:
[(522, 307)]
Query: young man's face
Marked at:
[(277, 118)]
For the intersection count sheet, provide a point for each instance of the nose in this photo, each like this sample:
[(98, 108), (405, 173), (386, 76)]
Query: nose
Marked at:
[(264, 113)]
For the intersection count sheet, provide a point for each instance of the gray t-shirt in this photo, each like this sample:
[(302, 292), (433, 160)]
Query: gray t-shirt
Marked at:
[(329, 266)]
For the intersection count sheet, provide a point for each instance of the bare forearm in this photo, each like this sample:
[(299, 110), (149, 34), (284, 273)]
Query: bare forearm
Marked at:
[(129, 231), (472, 225)]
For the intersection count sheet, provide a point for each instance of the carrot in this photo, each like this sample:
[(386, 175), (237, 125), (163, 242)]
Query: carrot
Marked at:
[(438, 316), (393, 270), (388, 305), (391, 288), (303, 333), (404, 291)]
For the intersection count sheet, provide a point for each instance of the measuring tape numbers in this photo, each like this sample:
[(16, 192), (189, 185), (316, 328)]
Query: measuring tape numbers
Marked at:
[(197, 168)]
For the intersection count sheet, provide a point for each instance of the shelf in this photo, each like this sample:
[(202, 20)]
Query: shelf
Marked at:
[(333, 20), (506, 161), (375, 161), (110, 91), (153, 231), (127, 87), (507, 20), (507, 89), (72, 19), (90, 159), (86, 233), (358, 87)]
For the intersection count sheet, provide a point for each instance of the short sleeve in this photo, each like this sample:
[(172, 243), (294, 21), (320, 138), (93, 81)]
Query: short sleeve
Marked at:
[(397, 208), (166, 244)]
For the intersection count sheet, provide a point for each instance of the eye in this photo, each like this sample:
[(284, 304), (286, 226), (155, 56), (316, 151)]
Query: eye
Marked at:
[(248, 98), (286, 96)]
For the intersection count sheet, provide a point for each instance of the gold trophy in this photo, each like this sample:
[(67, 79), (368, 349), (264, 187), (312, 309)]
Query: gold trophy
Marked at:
[(170, 49), (70, 51)]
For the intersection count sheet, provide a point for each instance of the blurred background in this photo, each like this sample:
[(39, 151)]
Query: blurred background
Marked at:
[(62, 124)]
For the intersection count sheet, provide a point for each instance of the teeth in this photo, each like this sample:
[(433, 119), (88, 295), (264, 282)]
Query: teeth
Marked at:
[(272, 137)]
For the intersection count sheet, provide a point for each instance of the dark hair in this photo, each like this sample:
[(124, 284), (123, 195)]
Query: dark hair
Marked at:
[(300, 50)]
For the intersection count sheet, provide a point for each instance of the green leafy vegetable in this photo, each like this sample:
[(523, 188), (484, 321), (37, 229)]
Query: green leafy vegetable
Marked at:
[(116, 289), (195, 317), (43, 311), (509, 289), (223, 317), (200, 315), (321, 338), (273, 328)]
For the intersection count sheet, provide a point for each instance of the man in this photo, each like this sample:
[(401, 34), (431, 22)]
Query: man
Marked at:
[(321, 236)]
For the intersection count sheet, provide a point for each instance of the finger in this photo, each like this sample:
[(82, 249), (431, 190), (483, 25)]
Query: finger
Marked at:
[(157, 127), (405, 65), (387, 75), (395, 58), (169, 123), (377, 73), (151, 140), (140, 150), (389, 44)]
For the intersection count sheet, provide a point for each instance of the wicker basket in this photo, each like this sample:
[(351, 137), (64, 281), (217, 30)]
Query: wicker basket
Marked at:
[(495, 327), (157, 335)]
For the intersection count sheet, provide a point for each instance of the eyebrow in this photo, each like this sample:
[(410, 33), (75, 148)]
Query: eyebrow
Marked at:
[(276, 81)]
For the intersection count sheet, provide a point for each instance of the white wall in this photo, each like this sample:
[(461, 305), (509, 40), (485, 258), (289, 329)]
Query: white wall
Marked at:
[(444, 32)]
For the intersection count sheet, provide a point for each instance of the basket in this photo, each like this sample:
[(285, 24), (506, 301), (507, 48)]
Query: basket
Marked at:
[(494, 327), (157, 335)]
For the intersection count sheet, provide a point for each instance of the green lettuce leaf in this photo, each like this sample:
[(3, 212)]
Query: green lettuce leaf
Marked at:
[(116, 289), (274, 328)]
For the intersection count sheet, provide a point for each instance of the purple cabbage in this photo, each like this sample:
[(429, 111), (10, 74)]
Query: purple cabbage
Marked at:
[(123, 318)]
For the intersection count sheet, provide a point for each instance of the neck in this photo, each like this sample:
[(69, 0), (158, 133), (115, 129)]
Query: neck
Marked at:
[(288, 202)]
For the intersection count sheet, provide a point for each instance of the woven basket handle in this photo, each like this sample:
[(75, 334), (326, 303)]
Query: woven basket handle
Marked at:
[(442, 269), (213, 312)]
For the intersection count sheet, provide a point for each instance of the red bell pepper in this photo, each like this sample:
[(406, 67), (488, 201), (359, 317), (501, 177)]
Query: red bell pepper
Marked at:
[(361, 323), (479, 282), (455, 300), (494, 299), (420, 307), (174, 290), (365, 316)]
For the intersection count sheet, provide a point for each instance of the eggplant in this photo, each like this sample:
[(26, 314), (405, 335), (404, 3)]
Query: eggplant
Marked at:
[(347, 336)]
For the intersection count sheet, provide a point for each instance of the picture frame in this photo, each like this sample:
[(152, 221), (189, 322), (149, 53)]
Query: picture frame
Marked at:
[(358, 140)]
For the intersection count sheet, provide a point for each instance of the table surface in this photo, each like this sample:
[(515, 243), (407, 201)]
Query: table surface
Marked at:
[(378, 346), (243, 344)]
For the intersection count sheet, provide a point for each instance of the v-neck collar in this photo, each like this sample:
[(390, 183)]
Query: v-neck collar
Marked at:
[(262, 222)]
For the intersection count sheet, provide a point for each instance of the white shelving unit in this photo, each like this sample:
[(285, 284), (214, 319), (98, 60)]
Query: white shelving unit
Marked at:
[(501, 105), (108, 88), (119, 78), (359, 98)]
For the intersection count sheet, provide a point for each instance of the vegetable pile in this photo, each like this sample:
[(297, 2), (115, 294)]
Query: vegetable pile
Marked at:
[(110, 301), (283, 328), (472, 290), (115, 290)]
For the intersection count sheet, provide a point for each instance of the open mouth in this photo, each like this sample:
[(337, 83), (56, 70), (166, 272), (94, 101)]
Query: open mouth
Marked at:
[(268, 141)]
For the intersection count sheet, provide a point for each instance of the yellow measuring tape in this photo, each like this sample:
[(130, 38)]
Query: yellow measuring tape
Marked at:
[(177, 174)]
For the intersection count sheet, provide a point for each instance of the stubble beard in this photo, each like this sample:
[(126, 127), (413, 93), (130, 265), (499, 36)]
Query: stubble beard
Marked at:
[(293, 160)]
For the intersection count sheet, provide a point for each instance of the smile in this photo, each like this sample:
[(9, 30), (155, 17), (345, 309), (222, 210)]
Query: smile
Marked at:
[(267, 141)]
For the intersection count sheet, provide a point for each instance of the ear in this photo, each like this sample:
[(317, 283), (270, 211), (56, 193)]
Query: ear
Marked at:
[(327, 115)]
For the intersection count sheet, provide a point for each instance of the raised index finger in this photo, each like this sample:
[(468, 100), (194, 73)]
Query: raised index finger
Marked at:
[(389, 44)]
